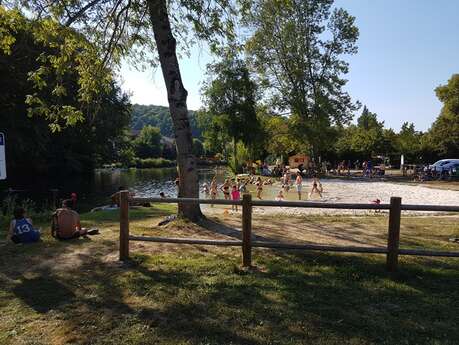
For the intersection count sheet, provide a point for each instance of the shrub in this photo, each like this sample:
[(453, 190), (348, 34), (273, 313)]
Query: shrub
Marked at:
[(154, 163)]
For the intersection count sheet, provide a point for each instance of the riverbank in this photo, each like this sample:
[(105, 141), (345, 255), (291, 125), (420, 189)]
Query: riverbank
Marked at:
[(77, 292)]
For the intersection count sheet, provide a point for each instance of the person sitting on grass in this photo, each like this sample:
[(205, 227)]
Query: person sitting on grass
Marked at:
[(66, 224), (21, 228)]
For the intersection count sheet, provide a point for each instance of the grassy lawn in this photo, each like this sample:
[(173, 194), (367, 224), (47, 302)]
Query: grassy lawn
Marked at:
[(77, 293)]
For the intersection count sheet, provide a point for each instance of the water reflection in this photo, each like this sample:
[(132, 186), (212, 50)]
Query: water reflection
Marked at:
[(94, 189)]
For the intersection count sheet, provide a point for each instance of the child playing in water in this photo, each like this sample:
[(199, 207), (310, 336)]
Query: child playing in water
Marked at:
[(299, 184), (280, 196), (259, 185), (316, 186), (225, 189), (236, 196), (213, 190)]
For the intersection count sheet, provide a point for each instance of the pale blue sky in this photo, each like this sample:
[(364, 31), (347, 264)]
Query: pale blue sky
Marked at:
[(406, 49)]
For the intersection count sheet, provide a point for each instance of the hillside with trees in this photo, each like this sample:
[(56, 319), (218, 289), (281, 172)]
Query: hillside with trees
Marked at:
[(159, 116)]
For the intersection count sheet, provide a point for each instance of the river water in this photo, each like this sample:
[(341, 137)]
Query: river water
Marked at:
[(95, 188)]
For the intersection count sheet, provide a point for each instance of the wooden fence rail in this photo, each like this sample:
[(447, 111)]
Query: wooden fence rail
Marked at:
[(392, 250)]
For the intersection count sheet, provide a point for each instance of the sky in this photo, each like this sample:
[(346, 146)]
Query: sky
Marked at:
[(406, 49)]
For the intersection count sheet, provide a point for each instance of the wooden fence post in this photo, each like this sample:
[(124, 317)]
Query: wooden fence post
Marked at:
[(393, 237), (124, 225), (247, 230)]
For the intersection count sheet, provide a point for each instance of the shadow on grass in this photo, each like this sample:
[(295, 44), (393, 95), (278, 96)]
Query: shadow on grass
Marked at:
[(219, 227), (43, 293), (299, 298), (293, 298)]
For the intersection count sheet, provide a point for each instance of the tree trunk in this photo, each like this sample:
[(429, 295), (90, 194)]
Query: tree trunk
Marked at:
[(177, 95)]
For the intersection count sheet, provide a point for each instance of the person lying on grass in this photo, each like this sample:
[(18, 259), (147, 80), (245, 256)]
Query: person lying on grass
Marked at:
[(21, 229), (66, 224)]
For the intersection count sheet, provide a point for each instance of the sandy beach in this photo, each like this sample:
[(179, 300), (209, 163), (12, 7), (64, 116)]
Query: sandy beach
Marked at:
[(346, 191)]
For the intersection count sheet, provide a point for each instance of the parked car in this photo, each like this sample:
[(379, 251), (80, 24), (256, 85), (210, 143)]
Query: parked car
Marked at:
[(455, 171), (444, 165)]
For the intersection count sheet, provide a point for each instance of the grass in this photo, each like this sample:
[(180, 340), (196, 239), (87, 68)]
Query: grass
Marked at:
[(77, 293)]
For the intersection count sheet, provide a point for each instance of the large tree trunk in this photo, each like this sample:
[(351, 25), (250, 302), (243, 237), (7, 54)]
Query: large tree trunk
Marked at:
[(177, 95)]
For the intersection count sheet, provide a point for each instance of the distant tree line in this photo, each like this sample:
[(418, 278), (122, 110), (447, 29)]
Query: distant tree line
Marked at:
[(272, 135), (159, 116)]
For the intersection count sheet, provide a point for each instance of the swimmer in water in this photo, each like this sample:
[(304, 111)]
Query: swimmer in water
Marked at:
[(299, 184), (225, 189), (280, 196), (316, 186)]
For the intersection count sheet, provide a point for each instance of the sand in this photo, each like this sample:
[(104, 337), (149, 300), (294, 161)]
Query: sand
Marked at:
[(348, 191)]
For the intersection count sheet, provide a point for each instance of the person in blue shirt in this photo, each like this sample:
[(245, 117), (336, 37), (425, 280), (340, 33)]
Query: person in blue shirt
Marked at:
[(21, 228)]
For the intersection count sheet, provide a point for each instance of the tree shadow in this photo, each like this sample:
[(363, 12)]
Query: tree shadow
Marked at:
[(221, 228), (43, 293), (338, 298), (294, 298)]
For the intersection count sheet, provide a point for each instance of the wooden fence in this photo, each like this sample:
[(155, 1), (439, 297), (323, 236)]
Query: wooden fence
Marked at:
[(392, 250)]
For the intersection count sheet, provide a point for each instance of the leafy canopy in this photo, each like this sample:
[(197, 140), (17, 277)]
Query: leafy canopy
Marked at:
[(92, 37), (444, 133), (297, 50)]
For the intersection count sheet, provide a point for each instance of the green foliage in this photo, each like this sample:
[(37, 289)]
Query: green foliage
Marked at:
[(444, 134), (159, 116), (277, 135), (154, 163), (90, 37), (148, 143), (215, 139), (242, 155), (72, 146), (297, 50), (198, 148), (67, 79), (409, 142), (364, 139), (127, 157), (230, 97)]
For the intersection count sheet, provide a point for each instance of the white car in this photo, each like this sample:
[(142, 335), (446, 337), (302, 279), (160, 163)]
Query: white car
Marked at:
[(444, 165)]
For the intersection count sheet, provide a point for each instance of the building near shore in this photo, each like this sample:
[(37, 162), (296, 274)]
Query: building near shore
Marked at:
[(298, 159)]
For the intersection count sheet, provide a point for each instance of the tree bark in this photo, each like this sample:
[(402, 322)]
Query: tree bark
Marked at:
[(177, 95)]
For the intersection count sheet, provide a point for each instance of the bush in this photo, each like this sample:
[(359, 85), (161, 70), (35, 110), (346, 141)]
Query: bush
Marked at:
[(127, 157), (154, 163), (242, 155)]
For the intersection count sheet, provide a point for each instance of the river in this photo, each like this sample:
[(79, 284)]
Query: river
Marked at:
[(94, 189)]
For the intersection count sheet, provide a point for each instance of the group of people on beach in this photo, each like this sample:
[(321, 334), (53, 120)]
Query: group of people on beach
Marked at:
[(233, 188)]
